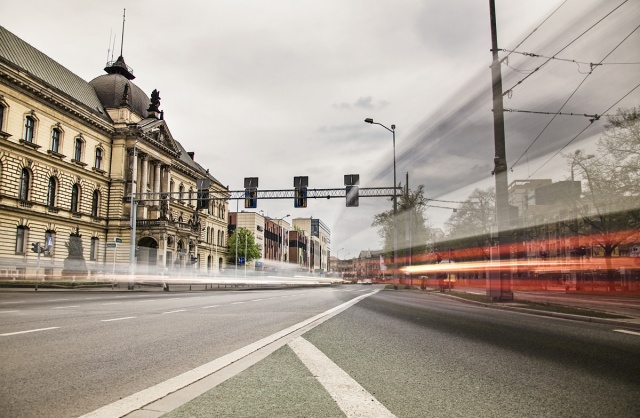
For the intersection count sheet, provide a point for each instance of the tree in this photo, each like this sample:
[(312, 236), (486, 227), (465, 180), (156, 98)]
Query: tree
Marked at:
[(610, 206), (470, 225), (411, 224), (245, 239)]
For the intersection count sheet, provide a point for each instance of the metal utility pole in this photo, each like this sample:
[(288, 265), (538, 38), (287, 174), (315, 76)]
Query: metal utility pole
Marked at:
[(500, 287)]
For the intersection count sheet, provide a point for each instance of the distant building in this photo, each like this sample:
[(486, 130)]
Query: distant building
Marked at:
[(320, 236)]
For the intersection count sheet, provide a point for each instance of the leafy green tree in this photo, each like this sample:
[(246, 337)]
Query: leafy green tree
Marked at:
[(411, 224), (245, 240)]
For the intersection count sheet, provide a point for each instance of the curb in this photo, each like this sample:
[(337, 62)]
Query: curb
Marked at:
[(581, 318)]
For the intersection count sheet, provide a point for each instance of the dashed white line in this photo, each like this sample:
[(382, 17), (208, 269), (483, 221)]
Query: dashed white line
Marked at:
[(256, 300), (25, 332), (237, 303), (624, 331), (212, 306), (57, 300), (179, 310), (17, 301), (65, 307), (9, 311), (112, 303), (118, 319)]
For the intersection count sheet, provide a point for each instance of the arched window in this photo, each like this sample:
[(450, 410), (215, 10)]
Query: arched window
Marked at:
[(98, 164), (51, 192), (55, 140), (29, 128), (78, 149), (95, 203), (75, 197), (181, 193), (93, 251), (23, 191), (171, 197)]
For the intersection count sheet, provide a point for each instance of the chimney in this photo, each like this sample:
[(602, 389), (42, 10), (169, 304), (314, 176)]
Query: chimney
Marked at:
[(191, 154)]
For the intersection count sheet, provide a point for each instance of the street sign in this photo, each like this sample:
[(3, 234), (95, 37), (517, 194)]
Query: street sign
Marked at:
[(111, 245), (118, 240)]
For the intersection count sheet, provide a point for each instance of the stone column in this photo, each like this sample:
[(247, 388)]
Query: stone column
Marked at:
[(156, 182), (142, 186)]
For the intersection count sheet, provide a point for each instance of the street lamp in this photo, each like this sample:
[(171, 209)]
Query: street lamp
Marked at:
[(395, 199)]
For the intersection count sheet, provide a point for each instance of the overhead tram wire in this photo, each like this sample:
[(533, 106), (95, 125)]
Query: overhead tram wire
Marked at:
[(533, 55), (535, 29), (580, 133), (594, 118), (509, 91)]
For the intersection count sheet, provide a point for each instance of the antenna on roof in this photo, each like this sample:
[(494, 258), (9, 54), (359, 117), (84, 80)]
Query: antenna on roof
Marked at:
[(109, 45), (122, 40)]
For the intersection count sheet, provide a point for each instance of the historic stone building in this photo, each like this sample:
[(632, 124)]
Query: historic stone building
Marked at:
[(73, 152)]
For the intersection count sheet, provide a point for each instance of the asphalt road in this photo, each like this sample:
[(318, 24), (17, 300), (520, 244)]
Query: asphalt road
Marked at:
[(407, 354), (88, 349), (425, 356)]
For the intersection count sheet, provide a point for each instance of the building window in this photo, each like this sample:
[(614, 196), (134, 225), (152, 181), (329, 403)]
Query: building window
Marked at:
[(75, 197), (29, 128), (23, 191), (49, 241), (78, 148), (95, 203), (171, 190), (55, 140), (98, 158), (21, 239), (51, 192), (93, 254), (181, 193), (2, 111)]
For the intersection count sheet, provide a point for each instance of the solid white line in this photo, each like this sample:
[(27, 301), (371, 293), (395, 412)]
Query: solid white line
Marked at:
[(25, 332), (8, 311), (212, 306), (57, 300), (111, 303), (353, 399), (65, 307), (126, 405), (627, 332), (7, 303), (179, 310), (118, 319)]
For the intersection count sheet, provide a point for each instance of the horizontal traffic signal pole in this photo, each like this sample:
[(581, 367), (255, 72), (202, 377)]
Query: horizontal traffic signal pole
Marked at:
[(270, 194)]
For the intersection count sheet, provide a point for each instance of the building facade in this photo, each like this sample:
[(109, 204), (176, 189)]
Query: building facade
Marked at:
[(73, 156), (320, 236)]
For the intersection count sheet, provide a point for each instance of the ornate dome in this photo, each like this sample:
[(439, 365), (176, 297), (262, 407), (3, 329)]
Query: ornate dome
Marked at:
[(115, 89)]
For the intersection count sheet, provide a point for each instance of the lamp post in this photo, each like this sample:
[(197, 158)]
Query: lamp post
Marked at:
[(133, 216), (395, 198), (282, 237)]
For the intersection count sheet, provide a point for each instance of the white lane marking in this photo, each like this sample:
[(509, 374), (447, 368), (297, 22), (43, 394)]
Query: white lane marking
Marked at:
[(112, 303), (91, 298), (138, 400), (179, 310), (237, 303), (57, 300), (627, 332), (256, 300), (9, 311), (148, 300), (65, 307), (17, 301), (212, 306), (118, 319), (353, 399), (25, 332)]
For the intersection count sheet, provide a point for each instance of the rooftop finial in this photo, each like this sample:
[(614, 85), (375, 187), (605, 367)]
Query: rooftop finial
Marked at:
[(122, 38)]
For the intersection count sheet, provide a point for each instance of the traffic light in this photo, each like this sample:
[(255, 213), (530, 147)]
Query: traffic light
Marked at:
[(251, 192), (35, 247), (193, 259), (251, 198), (300, 196), (352, 191)]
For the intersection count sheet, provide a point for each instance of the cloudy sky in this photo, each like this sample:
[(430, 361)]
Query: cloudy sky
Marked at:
[(277, 89)]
